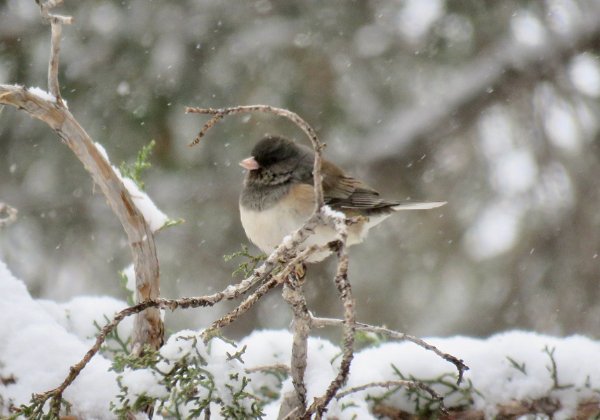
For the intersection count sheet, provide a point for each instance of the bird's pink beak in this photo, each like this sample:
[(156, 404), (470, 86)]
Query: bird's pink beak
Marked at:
[(249, 163)]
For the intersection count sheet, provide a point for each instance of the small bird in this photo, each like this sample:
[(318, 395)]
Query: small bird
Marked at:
[(278, 197)]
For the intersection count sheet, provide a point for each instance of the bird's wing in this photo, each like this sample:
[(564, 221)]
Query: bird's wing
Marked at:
[(344, 192)]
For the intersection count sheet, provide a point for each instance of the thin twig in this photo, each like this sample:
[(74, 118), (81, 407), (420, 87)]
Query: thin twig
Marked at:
[(390, 384), (397, 383), (56, 22), (53, 85), (279, 367), (273, 282), (207, 126), (239, 310), (319, 405), (459, 363)]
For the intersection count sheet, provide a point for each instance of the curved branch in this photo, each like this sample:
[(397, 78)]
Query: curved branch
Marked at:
[(148, 325)]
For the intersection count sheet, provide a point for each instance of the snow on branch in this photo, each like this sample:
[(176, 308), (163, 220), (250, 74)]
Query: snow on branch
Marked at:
[(52, 110)]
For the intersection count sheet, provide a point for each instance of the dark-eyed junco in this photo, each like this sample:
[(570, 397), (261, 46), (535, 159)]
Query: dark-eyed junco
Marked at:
[(278, 197)]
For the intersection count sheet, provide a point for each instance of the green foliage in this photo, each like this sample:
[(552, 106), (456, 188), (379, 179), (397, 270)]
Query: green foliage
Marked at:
[(114, 343), (142, 162), (519, 366), (189, 386), (248, 265), (364, 339), (553, 369), (172, 222), (38, 409), (425, 406)]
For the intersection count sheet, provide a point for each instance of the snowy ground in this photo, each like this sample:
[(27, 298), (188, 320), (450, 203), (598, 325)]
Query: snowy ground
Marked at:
[(41, 339)]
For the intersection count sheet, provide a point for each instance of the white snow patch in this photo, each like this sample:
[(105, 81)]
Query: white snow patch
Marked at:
[(79, 315), (38, 351), (155, 218), (41, 343), (333, 214), (41, 93), (129, 273)]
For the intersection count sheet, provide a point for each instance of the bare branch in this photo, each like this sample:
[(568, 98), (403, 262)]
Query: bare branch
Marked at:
[(53, 85), (148, 325), (241, 309), (331, 322), (231, 292), (46, 6), (276, 280), (207, 126), (270, 368), (56, 22), (55, 394), (391, 384)]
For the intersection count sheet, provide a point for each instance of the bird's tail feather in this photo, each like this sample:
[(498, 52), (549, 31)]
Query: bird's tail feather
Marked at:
[(419, 206)]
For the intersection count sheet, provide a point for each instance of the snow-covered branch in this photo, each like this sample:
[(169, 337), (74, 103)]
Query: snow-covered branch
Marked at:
[(49, 108)]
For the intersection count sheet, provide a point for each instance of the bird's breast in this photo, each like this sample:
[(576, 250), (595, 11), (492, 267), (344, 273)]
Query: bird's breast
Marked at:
[(267, 227)]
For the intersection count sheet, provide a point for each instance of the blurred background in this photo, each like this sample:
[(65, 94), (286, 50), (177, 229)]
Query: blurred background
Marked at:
[(489, 105)]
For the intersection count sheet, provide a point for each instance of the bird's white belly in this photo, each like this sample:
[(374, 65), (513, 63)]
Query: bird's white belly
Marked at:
[(267, 228)]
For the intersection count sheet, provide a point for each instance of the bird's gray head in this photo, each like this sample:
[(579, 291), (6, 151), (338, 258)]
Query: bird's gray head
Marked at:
[(276, 160), (276, 163)]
